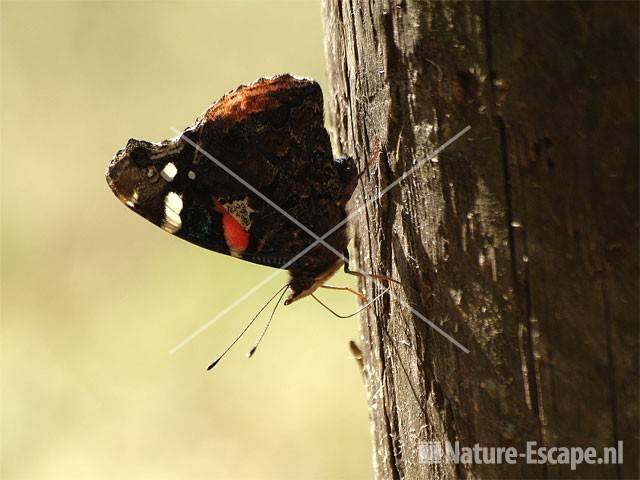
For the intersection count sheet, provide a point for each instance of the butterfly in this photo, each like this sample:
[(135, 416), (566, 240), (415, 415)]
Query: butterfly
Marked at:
[(216, 184)]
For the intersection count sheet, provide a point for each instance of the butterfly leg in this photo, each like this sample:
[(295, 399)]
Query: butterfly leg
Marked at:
[(364, 275), (364, 307), (375, 156), (348, 289)]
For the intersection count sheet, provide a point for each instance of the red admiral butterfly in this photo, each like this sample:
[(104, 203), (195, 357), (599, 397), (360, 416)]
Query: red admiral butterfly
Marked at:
[(270, 135)]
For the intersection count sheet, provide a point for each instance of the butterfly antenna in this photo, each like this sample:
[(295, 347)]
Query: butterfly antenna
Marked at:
[(221, 356), (266, 327), (354, 313)]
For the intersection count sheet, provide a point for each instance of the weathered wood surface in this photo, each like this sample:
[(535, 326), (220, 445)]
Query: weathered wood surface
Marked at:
[(521, 240)]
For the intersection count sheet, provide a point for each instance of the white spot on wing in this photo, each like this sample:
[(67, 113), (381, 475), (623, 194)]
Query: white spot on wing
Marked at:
[(131, 202), (172, 208), (169, 172), (191, 174)]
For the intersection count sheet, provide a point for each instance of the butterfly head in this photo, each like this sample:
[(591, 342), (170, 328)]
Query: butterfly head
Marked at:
[(143, 176), (304, 283)]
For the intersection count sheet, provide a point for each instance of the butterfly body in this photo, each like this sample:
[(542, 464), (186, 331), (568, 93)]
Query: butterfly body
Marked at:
[(215, 185)]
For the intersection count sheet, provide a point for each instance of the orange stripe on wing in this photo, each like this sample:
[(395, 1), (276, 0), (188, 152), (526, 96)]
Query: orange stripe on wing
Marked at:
[(235, 235)]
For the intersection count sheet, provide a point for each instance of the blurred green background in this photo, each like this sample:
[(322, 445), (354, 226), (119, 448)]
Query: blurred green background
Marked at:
[(94, 297)]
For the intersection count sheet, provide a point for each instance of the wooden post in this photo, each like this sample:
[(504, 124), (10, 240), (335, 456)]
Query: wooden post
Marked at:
[(520, 239)]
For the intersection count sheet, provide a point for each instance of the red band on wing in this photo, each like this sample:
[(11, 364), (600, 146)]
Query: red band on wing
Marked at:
[(235, 235)]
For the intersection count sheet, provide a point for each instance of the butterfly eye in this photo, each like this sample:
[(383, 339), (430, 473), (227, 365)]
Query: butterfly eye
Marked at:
[(151, 172)]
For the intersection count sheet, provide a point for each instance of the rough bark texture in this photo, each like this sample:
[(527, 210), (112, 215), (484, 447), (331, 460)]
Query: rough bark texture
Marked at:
[(520, 239)]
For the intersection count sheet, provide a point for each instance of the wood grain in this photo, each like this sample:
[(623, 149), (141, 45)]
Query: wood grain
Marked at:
[(520, 239)]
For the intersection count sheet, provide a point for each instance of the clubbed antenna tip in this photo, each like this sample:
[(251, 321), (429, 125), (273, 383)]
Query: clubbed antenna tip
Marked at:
[(213, 364)]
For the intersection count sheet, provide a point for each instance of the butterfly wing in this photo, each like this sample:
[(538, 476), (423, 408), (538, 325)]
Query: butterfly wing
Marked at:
[(211, 184)]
